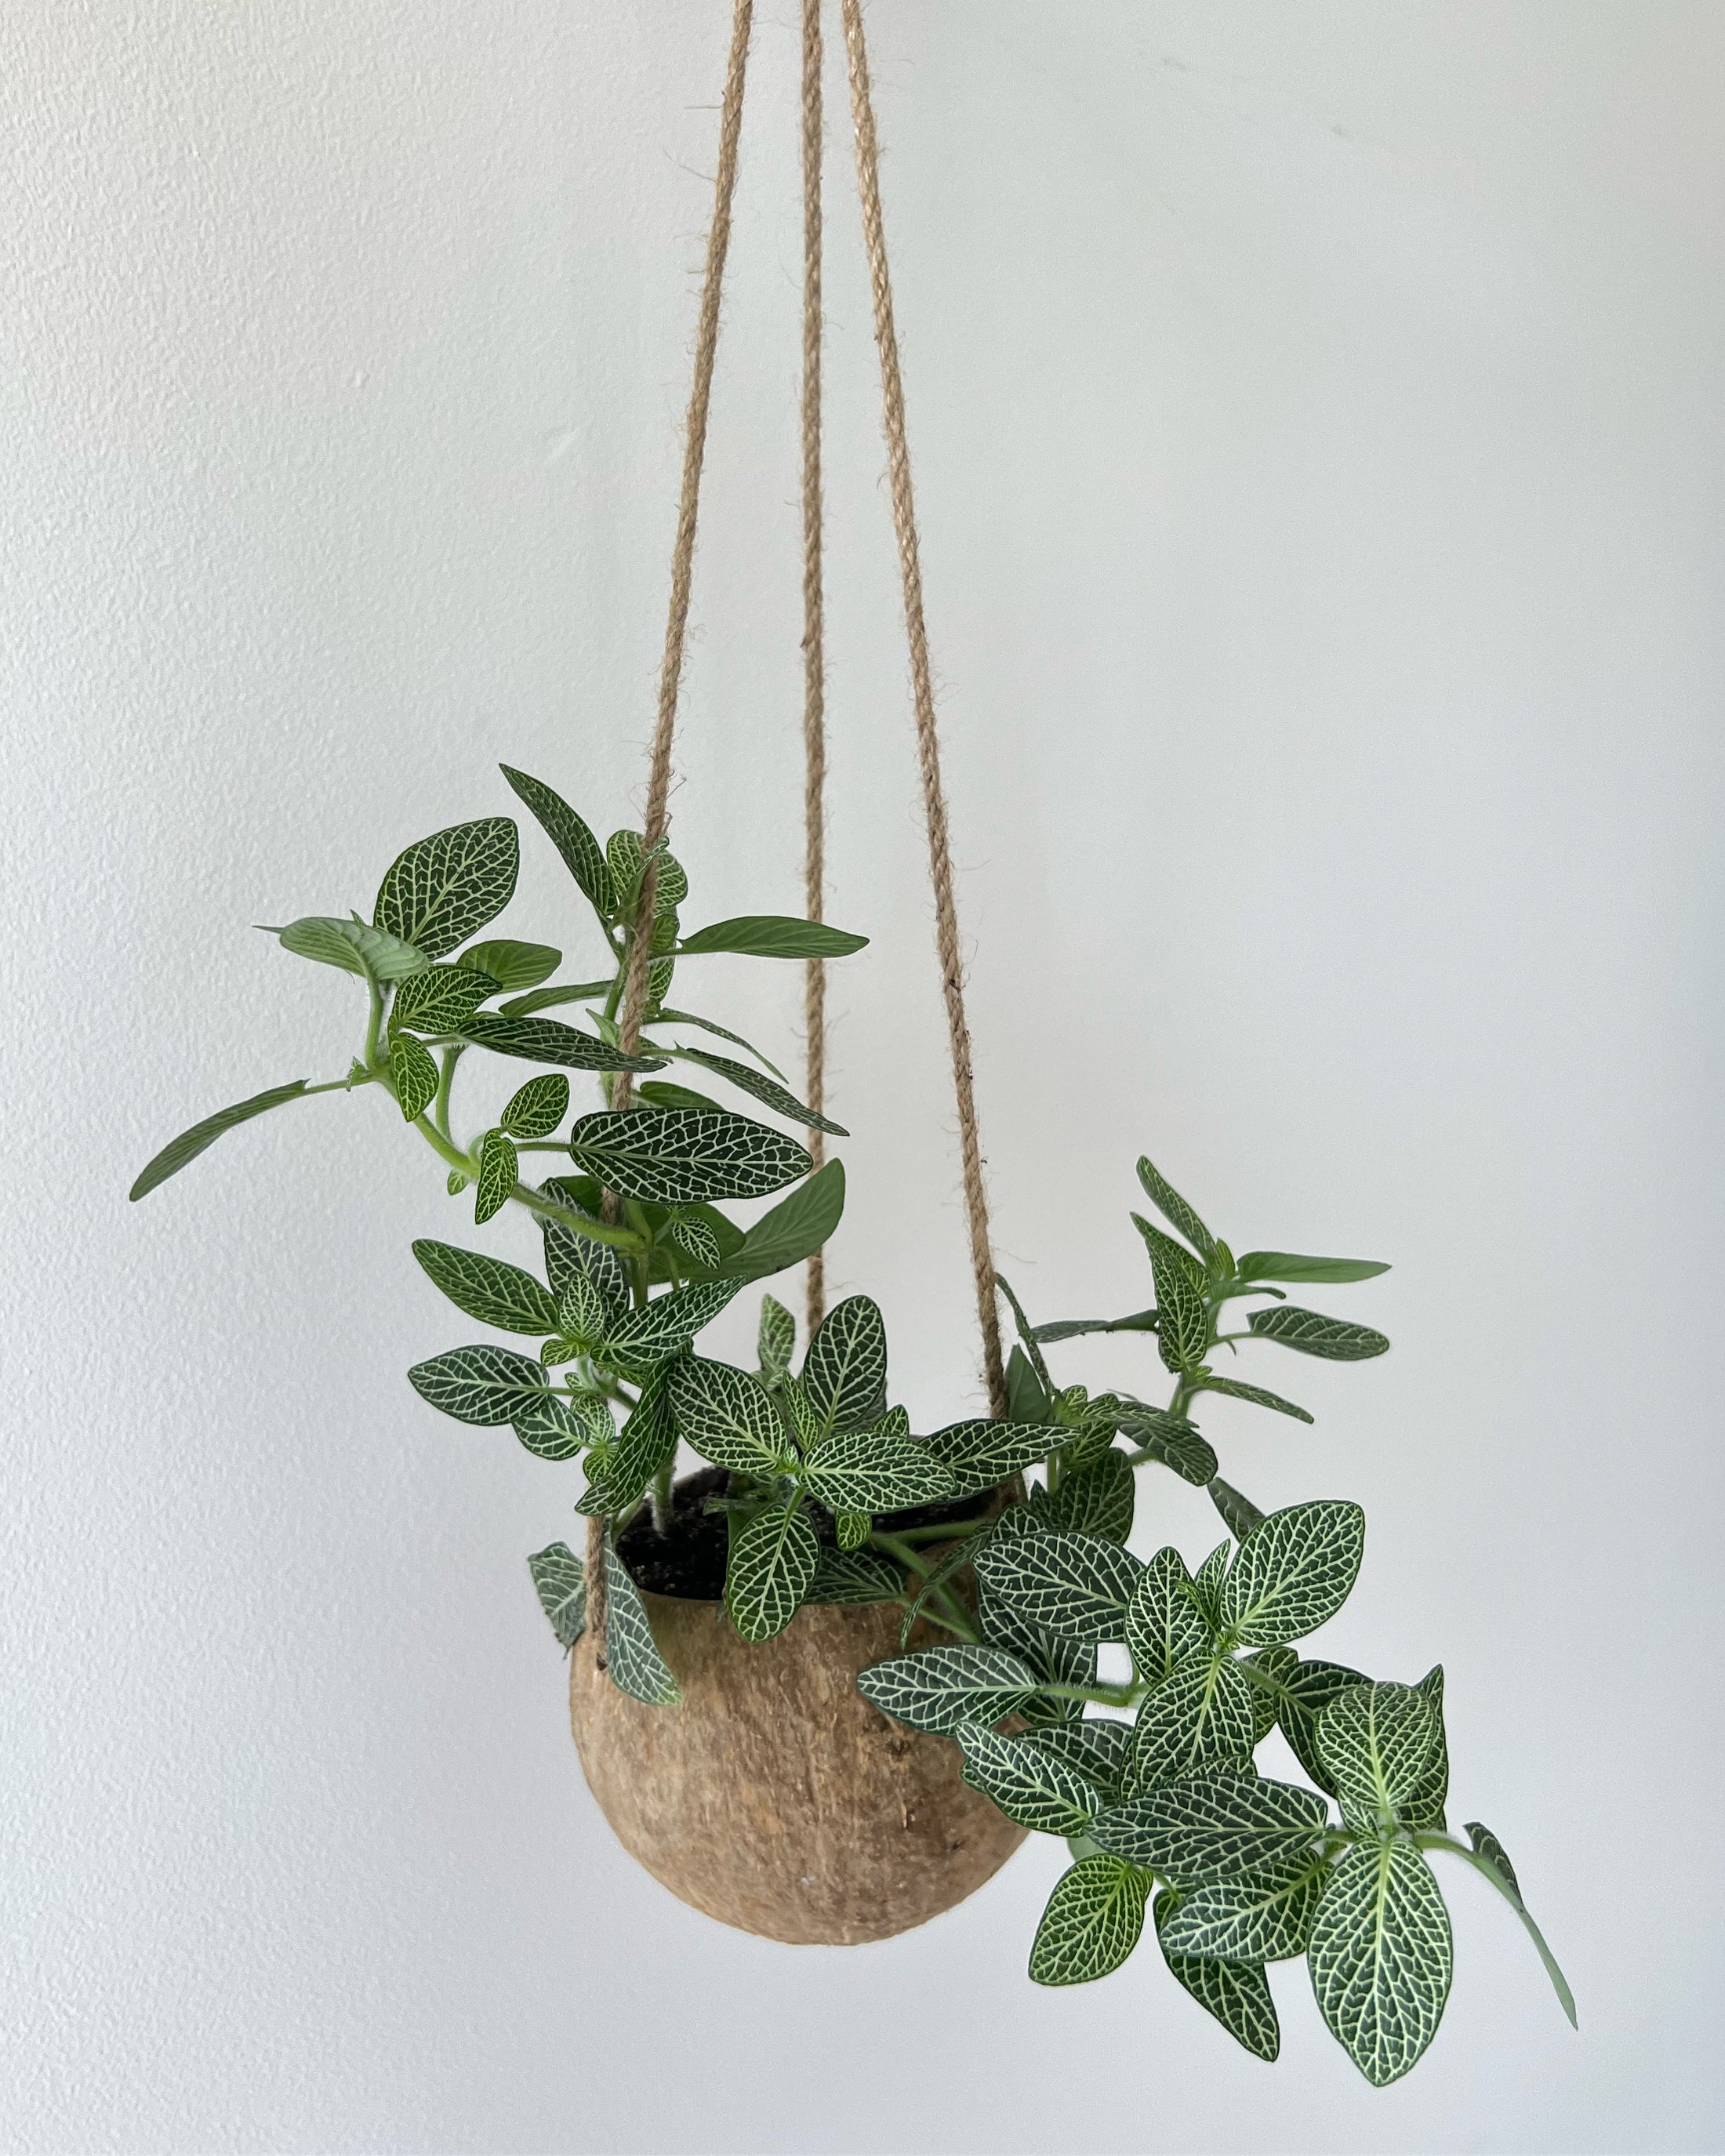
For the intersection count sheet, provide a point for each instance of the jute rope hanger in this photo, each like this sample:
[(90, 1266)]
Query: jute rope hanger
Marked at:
[(904, 517)]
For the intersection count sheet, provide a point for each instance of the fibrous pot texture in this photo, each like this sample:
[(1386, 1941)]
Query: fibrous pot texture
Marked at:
[(775, 1798)]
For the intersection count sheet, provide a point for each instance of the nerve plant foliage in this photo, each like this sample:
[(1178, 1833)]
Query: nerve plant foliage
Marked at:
[(1148, 1770)]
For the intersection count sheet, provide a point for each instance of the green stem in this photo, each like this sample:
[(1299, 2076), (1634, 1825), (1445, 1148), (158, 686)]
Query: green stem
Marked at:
[(446, 1073), (1559, 1982), (913, 1560), (374, 1024), (950, 1532)]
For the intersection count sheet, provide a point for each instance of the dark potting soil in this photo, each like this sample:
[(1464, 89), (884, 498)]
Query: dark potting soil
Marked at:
[(688, 1560)]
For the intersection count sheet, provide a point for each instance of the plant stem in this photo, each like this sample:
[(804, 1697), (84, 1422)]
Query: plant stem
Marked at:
[(1560, 1983), (662, 1498)]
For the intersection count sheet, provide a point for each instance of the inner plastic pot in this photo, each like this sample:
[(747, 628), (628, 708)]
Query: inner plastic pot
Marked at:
[(776, 1798)]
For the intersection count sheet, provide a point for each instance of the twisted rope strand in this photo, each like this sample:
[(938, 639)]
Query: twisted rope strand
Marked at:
[(815, 741), (940, 852)]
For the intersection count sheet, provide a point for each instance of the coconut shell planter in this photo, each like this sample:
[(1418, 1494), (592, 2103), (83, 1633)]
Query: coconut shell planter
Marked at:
[(823, 1685)]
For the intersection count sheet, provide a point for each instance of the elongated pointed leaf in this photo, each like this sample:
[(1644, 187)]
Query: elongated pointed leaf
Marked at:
[(1493, 1859), (557, 1427), (1055, 1660), (1182, 1320), (441, 998), (767, 1090), (1293, 1572), (1207, 1585), (498, 1173), (1240, 1515), (1099, 1750), (1487, 1844), (1306, 1691), (854, 1577), (772, 936), (675, 1157), (962, 1553), (844, 1370), (1094, 1918), (544, 1041), (413, 1072), (665, 1326), (353, 946), (632, 1654), (512, 964), (646, 1442), (1378, 1741), (1201, 1716), (723, 1032), (729, 1419), (185, 1147), (1027, 1398), (773, 1560), (1075, 1586), (1069, 1328), (1027, 1782), (488, 1289), (1164, 1629), (1095, 1498), (982, 1454), (1380, 1957), (1221, 1822), (1289, 1265), (864, 1472), (1312, 1333), (483, 1384), (581, 851), (1254, 1919), (793, 1230), (1257, 1395), (1236, 1995), (1174, 1210), (775, 1339), (1267, 1672), (537, 1108), (568, 1253), (560, 1577), (439, 891), (557, 991), (937, 1688), (1175, 1443)]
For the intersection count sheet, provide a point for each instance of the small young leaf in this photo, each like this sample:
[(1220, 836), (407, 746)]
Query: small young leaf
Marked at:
[(1174, 1210), (488, 1289), (864, 1472), (773, 936), (1027, 1398), (772, 1562), (1202, 1715), (439, 891), (1238, 1996), (455, 1183), (440, 998), (844, 1370), (512, 965), (1207, 1585), (1240, 1515), (710, 1026), (729, 1419), (850, 1530), (568, 1253), (1312, 1333), (1030, 1784), (352, 946), (1182, 1325), (413, 1072), (583, 1315), (483, 1384), (1259, 1397), (853, 1577), (1293, 1572), (179, 1152), (632, 1654), (938, 1687), (1163, 1627), (538, 1108), (1302, 1271), (498, 1173), (776, 1340), (561, 1579), (674, 1156), (696, 1241), (982, 1454), (557, 1427), (1094, 1918), (1380, 1957), (1487, 1844), (544, 1041), (665, 1326), (571, 837)]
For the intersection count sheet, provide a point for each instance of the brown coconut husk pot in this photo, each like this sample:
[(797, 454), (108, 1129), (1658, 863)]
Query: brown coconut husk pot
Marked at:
[(776, 1798)]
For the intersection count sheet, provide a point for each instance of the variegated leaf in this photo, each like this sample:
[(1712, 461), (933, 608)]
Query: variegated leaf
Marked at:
[(1293, 1572), (1232, 1389), (944, 1568), (1078, 1587), (495, 1292), (537, 1108), (1202, 1714), (437, 892), (1098, 1749), (1165, 1628), (1173, 1440), (1055, 1660), (774, 1559), (1182, 1325), (1377, 1741), (560, 1577), (937, 1688), (696, 1241), (665, 1326), (1380, 1957), (440, 998), (854, 1576), (1237, 1995), (413, 1073), (1220, 1823), (1423, 1807), (776, 1339), (498, 1173), (729, 1419), (850, 1530), (864, 1472), (511, 964), (1095, 1498), (1307, 1690), (1267, 1672), (353, 946), (558, 1426), (573, 840), (1254, 1920), (844, 1370), (1174, 1210), (982, 1454), (582, 1314), (646, 1442), (1331, 1338), (483, 1384), (179, 1151), (1207, 1585), (632, 1654), (1094, 1918), (545, 1040), (569, 1253), (678, 1156), (1033, 1787), (1240, 1515), (766, 1091)]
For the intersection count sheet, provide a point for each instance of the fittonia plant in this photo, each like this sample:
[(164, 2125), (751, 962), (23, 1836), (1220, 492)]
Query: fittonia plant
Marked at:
[(1149, 1774)]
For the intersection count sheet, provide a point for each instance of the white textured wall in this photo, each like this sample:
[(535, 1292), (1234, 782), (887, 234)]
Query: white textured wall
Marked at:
[(1316, 417)]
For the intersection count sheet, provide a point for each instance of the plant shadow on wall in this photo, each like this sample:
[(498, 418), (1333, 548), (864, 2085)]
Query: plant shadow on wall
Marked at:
[(817, 1491)]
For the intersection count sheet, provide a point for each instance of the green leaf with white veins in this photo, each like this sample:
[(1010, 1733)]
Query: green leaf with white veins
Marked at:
[(573, 840), (1182, 1325), (179, 1151), (854, 1577), (413, 1072), (1202, 1715), (1423, 1807), (772, 1562), (1305, 1692), (729, 1419), (535, 1110), (560, 1427), (1240, 1515), (632, 1654), (1223, 1822), (938, 1687), (675, 1157), (560, 1578), (1175, 1443), (512, 965), (583, 1313), (844, 1370), (690, 1234), (724, 1033), (483, 1384), (352, 946), (498, 1173), (776, 1339), (982, 1454), (1174, 1210), (1094, 1918), (1302, 1271), (1095, 1498), (1312, 1333), (1232, 1389), (1252, 1920), (806, 1426), (1163, 1628), (1266, 1672), (488, 1289), (1100, 1750), (1032, 1788), (647, 1441), (772, 936), (1380, 1957), (864, 1472), (545, 1040), (793, 1230), (1207, 1585), (665, 1326), (1376, 1740), (1238, 1996), (441, 890), (567, 1254), (1077, 1586), (1293, 1572), (1055, 1660), (766, 1091), (439, 998)]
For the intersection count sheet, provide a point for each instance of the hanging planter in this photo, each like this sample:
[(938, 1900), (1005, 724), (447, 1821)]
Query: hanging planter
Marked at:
[(823, 1686)]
